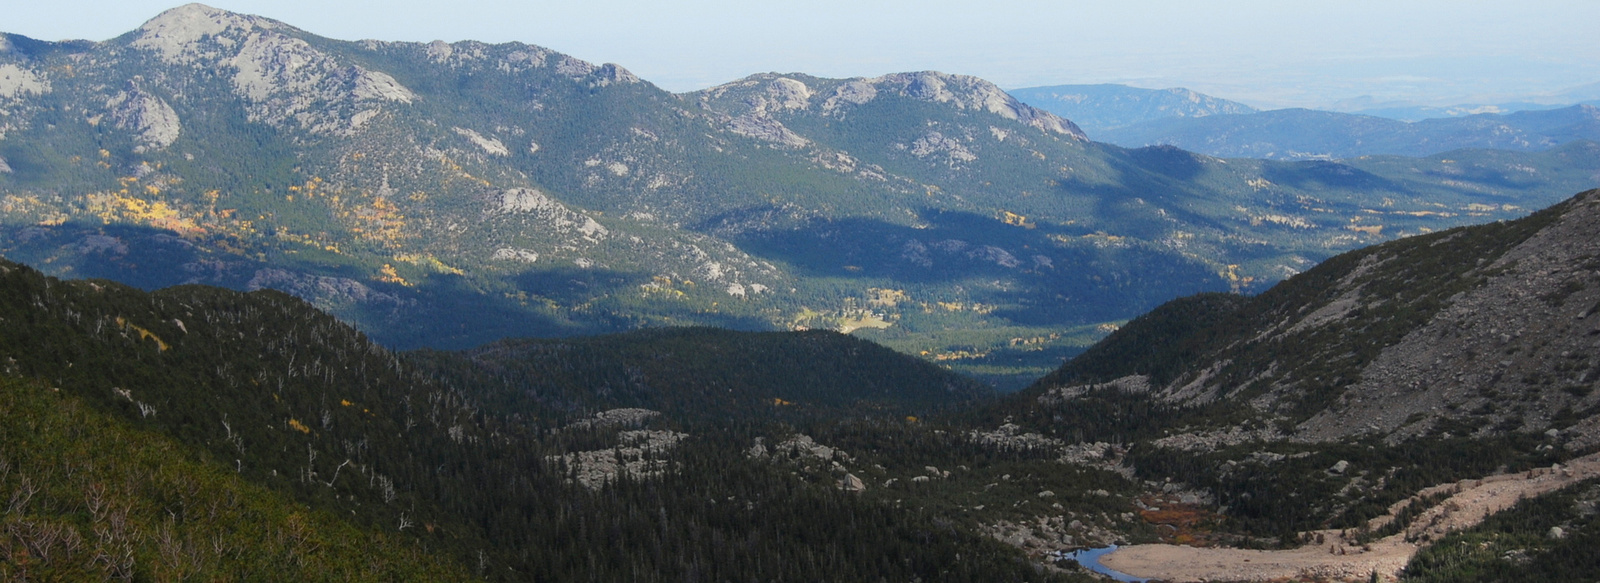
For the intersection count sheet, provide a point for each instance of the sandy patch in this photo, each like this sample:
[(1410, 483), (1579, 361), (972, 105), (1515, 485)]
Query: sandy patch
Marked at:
[(1338, 559)]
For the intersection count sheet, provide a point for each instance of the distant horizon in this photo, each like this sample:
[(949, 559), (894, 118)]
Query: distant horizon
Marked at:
[(1266, 54)]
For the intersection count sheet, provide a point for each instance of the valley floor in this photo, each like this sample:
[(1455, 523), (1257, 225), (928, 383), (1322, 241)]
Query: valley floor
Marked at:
[(1469, 502)]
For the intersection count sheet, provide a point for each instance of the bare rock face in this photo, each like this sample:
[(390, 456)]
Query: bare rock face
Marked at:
[(325, 292), (788, 93), (554, 216), (283, 79), (850, 483), (770, 96), (4, 167), (755, 104), (937, 146), (17, 82), (514, 254), (762, 127), (802, 445), (638, 456), (179, 35), (967, 92), (1010, 436), (490, 146), (757, 450), (855, 92), (612, 74), (152, 119)]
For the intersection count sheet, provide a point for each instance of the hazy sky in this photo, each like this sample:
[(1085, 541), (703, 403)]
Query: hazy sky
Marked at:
[(1273, 53)]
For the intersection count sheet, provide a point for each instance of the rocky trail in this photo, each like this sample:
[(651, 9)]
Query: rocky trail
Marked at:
[(1336, 558)]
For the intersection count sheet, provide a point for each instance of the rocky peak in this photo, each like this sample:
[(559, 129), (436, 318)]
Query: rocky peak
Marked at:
[(968, 92), (612, 74), (769, 94), (283, 79), (750, 104), (789, 93), (177, 34)]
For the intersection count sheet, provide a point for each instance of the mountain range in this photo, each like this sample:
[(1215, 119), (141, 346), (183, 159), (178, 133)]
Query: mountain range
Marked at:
[(1291, 134), (1101, 108), (1377, 368), (452, 194), (1135, 118)]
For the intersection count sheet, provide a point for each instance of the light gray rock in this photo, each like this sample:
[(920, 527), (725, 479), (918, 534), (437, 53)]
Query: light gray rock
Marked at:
[(491, 146), (637, 455), (556, 217), (511, 254), (757, 451), (850, 483), (284, 80), (804, 446), (148, 116), (968, 92), (760, 126), (322, 291), (16, 82)]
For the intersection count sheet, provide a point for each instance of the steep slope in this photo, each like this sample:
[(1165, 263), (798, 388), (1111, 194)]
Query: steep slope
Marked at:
[(91, 498), (1480, 330), (448, 195), (1105, 107), (1359, 389), (1293, 134)]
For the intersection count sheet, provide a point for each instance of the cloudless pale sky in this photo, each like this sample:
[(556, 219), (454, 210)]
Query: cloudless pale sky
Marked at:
[(1264, 52)]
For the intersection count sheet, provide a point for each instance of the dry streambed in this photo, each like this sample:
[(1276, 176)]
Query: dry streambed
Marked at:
[(1336, 558)]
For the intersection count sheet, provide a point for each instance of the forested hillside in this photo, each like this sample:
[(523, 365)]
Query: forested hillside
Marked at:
[(263, 393), (92, 498), (666, 454)]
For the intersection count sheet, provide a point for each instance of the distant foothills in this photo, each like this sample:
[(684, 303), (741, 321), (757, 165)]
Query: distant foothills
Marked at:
[(1134, 118)]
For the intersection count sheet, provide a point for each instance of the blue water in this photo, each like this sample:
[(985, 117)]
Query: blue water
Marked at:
[(1090, 558)]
